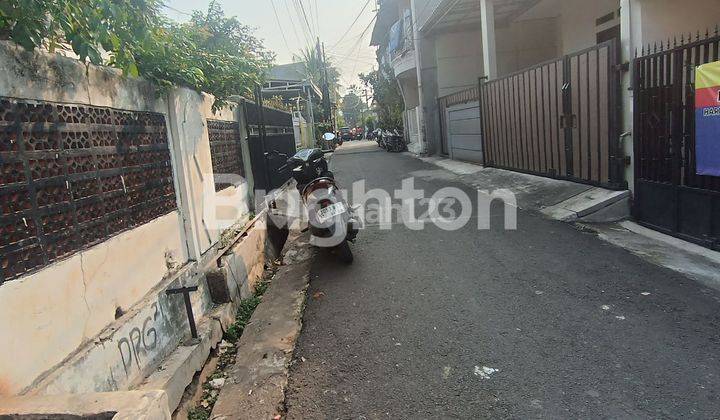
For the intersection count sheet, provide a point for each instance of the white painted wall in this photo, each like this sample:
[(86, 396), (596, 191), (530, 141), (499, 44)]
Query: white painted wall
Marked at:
[(427, 8), (525, 43), (409, 87), (47, 315), (578, 22), (663, 19), (459, 61)]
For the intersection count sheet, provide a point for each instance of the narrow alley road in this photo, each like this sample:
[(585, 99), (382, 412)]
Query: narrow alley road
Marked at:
[(545, 321)]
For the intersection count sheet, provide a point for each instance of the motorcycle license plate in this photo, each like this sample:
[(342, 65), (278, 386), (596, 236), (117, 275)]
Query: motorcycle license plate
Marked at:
[(331, 211)]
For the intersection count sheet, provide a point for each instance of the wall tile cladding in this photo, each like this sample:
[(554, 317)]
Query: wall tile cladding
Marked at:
[(72, 176), (225, 149)]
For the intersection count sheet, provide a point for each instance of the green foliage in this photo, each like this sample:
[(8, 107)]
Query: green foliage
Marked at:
[(277, 102), (88, 27), (198, 413), (314, 71), (370, 122), (323, 128), (312, 60), (386, 94), (212, 53), (245, 311), (340, 122), (352, 109)]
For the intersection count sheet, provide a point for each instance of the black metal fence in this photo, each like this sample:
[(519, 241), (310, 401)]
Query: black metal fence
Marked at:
[(72, 176), (271, 117), (270, 130), (669, 195)]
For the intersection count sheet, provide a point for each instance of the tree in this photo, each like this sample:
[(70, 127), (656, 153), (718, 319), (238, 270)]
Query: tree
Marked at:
[(277, 102), (370, 122), (214, 53), (312, 60), (211, 53), (352, 109), (389, 104)]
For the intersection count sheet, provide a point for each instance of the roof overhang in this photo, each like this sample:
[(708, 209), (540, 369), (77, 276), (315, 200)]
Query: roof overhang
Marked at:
[(293, 87), (387, 15), (458, 15)]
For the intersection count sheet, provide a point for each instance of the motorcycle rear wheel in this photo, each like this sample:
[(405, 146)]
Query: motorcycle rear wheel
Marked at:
[(344, 253)]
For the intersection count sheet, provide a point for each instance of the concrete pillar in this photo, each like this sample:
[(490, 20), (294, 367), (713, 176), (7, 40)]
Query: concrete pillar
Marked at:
[(192, 166), (630, 41), (487, 10), (418, 67)]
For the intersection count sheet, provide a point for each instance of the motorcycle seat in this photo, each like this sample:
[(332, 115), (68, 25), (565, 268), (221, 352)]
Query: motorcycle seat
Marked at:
[(307, 155)]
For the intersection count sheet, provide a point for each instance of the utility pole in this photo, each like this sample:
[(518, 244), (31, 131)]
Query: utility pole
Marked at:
[(362, 113), (311, 115), (367, 104), (326, 81)]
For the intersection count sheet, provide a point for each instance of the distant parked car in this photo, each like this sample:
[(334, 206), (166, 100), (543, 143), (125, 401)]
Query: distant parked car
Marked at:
[(346, 134), (358, 133)]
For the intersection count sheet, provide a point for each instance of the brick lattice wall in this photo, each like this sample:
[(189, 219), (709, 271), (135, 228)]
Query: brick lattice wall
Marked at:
[(72, 176)]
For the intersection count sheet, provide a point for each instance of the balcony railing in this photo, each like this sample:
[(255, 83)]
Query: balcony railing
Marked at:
[(401, 36)]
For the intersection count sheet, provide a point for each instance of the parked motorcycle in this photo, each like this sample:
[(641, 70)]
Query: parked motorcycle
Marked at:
[(392, 141), (379, 138), (331, 141), (331, 221)]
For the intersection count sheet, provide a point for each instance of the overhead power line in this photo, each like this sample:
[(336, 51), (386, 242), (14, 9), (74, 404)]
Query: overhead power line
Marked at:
[(282, 32), (352, 24), (304, 28), (292, 22), (317, 18), (176, 10), (305, 17), (359, 41)]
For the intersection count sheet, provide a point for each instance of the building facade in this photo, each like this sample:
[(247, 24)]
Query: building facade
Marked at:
[(599, 92)]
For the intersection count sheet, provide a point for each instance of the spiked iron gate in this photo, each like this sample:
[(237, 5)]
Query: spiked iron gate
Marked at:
[(669, 195), (557, 119)]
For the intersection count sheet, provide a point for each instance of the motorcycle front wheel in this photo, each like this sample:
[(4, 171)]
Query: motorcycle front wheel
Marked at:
[(344, 253)]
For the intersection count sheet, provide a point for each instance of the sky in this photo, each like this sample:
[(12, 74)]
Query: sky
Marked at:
[(346, 45)]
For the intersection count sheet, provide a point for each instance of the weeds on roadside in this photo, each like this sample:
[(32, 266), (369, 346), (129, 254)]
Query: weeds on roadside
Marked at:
[(227, 354), (245, 311)]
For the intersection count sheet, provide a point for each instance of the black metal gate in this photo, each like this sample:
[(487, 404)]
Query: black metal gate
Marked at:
[(557, 119), (269, 130), (669, 195)]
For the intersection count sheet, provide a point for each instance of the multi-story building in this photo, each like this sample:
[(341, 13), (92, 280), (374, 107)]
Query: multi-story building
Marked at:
[(599, 92)]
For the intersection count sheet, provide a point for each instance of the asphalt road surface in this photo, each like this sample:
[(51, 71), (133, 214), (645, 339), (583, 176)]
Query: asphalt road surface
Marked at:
[(542, 322)]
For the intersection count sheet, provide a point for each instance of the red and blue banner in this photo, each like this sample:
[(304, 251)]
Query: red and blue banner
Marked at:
[(707, 119)]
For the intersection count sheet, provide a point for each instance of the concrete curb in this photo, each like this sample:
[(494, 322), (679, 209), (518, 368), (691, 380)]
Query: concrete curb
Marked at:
[(178, 370), (256, 384), (693, 261), (557, 199), (596, 205), (129, 405)]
